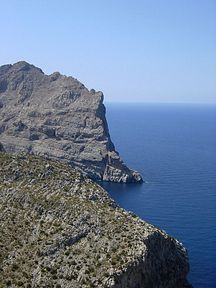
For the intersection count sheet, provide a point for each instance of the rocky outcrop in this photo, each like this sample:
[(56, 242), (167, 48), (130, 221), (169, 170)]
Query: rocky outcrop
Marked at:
[(58, 117), (59, 229)]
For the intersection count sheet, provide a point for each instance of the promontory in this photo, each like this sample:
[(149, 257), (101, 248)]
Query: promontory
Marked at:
[(59, 118)]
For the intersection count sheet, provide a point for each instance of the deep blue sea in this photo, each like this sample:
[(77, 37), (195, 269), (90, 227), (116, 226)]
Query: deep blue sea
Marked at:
[(174, 148)]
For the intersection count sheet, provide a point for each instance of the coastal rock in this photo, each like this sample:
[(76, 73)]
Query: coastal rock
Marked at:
[(60, 229), (59, 118)]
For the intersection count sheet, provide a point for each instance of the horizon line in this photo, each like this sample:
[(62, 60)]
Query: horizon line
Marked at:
[(159, 102)]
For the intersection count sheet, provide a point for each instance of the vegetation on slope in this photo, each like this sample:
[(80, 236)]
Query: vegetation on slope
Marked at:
[(60, 229)]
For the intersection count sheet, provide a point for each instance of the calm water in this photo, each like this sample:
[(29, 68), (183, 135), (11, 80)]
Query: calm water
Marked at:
[(174, 147)]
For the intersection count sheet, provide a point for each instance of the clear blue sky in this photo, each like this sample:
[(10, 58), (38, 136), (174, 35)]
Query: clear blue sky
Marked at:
[(137, 50)]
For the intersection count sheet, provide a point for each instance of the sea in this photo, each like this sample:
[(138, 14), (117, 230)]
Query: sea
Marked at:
[(173, 146)]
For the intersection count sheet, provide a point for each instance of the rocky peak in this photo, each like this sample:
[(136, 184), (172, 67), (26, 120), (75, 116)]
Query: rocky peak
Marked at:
[(22, 66), (58, 117)]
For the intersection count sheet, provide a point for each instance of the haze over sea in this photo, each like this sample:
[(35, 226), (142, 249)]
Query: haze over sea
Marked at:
[(173, 146)]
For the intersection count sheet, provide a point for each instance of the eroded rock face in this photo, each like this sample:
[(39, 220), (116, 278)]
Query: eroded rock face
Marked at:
[(60, 229), (58, 117)]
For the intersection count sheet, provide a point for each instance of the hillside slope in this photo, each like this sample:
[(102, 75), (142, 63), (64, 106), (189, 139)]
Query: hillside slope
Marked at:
[(60, 229)]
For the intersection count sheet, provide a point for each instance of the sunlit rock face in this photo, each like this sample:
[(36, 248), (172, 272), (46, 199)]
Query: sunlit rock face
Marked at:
[(58, 117)]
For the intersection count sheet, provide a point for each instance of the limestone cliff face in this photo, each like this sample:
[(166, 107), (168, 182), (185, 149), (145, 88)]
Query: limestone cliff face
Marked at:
[(60, 229), (58, 117)]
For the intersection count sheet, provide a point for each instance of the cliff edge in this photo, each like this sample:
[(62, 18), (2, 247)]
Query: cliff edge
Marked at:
[(60, 229), (59, 118)]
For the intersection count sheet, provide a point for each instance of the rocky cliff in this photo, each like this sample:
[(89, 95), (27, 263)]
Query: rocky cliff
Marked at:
[(60, 229), (58, 117)]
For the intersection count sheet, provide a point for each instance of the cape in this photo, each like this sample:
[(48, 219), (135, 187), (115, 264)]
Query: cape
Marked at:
[(57, 117)]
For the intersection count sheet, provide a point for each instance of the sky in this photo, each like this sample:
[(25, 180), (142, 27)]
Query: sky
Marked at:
[(133, 51)]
